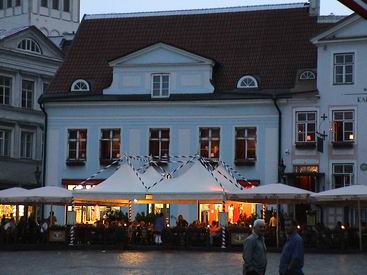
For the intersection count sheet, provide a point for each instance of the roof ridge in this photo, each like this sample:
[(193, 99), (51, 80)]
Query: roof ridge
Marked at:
[(198, 11)]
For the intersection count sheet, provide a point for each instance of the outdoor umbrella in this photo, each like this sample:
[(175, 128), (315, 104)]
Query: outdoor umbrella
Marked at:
[(353, 193), (273, 193), (13, 195), (49, 194)]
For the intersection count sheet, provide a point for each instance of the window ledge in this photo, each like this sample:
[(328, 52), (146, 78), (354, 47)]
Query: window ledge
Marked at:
[(75, 162), (245, 162), (106, 162), (306, 145), (343, 144)]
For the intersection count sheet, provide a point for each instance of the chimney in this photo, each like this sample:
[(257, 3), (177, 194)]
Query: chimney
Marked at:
[(314, 7)]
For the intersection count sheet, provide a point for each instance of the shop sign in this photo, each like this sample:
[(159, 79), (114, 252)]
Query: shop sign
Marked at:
[(362, 99)]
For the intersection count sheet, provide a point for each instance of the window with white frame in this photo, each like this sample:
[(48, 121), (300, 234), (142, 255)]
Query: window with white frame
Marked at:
[(5, 89), (343, 126), (209, 143), (247, 82), (343, 174), (27, 94), (26, 145), (4, 143), (245, 144), (306, 126), (77, 144), (29, 45), (159, 143), (343, 68), (80, 85), (110, 144), (44, 3), (160, 85)]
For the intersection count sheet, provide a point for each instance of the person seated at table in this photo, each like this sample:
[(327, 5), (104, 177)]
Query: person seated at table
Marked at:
[(214, 231), (181, 222), (51, 218)]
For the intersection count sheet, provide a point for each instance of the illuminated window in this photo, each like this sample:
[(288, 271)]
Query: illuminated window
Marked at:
[(110, 144), (77, 144), (209, 142), (29, 45), (343, 126), (246, 144), (159, 144), (305, 126), (80, 85), (247, 82)]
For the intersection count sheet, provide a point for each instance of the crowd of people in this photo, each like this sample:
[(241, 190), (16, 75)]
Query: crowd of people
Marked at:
[(26, 230)]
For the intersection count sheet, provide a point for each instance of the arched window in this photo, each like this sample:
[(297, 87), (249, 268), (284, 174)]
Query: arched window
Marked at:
[(29, 45), (307, 75), (247, 82), (80, 85)]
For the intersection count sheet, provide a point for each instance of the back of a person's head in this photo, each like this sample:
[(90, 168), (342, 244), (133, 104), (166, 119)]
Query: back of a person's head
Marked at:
[(259, 222)]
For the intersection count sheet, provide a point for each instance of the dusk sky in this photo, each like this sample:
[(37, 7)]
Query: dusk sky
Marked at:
[(120, 6)]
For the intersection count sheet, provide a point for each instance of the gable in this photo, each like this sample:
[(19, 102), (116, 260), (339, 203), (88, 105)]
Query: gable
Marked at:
[(161, 54), (356, 29), (47, 47)]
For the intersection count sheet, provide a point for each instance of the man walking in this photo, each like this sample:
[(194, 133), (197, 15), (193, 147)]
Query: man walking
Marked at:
[(254, 251), (291, 259)]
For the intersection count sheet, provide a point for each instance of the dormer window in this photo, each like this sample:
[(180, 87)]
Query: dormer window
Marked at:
[(160, 85), (29, 45), (307, 75), (80, 85), (247, 82)]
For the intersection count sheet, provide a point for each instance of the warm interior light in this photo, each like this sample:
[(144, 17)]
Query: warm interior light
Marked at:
[(343, 227), (148, 197), (168, 225), (135, 200), (298, 227), (250, 226), (308, 138), (351, 137), (125, 224)]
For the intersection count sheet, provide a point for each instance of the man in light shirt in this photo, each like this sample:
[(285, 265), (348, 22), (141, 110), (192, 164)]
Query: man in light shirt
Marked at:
[(254, 251)]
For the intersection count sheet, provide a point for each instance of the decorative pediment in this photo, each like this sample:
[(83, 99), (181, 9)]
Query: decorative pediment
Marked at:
[(161, 54), (352, 28), (29, 41)]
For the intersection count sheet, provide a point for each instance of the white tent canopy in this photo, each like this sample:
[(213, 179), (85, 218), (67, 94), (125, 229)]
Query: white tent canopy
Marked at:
[(13, 195), (197, 183), (230, 183), (50, 194), (272, 193), (352, 193), (124, 184)]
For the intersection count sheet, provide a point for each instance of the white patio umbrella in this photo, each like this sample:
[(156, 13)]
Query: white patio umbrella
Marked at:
[(50, 194), (353, 193), (273, 193), (13, 195)]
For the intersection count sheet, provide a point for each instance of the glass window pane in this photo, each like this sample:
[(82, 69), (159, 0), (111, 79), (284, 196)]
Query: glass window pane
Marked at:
[(105, 150), (165, 134), (349, 58), (311, 127), (338, 168), (215, 133), (214, 153), (349, 69), (204, 149), (348, 169), (348, 78), (204, 132), (348, 126), (348, 115), (72, 134), (240, 132), (301, 116), (339, 59), (338, 115), (251, 132), (339, 79), (240, 149), (311, 116)]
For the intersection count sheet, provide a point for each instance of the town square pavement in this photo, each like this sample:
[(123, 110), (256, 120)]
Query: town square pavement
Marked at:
[(158, 262)]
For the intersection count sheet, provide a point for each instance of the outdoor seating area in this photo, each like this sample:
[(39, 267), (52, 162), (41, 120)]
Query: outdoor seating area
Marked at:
[(217, 186)]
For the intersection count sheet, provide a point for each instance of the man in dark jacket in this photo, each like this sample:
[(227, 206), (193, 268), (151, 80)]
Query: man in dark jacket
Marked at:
[(254, 251)]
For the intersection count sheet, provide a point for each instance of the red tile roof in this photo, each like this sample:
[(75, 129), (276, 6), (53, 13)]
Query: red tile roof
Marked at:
[(269, 44)]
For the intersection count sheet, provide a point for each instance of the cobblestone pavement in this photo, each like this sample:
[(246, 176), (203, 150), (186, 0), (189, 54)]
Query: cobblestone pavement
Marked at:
[(157, 262)]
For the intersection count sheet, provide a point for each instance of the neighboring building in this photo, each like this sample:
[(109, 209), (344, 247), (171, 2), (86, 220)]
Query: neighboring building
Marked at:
[(181, 83), (28, 62), (53, 17)]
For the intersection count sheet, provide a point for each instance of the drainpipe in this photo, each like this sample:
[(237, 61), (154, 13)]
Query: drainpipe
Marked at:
[(44, 145), (279, 135)]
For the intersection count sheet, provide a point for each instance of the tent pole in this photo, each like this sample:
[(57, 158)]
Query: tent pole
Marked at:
[(278, 216), (360, 226)]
